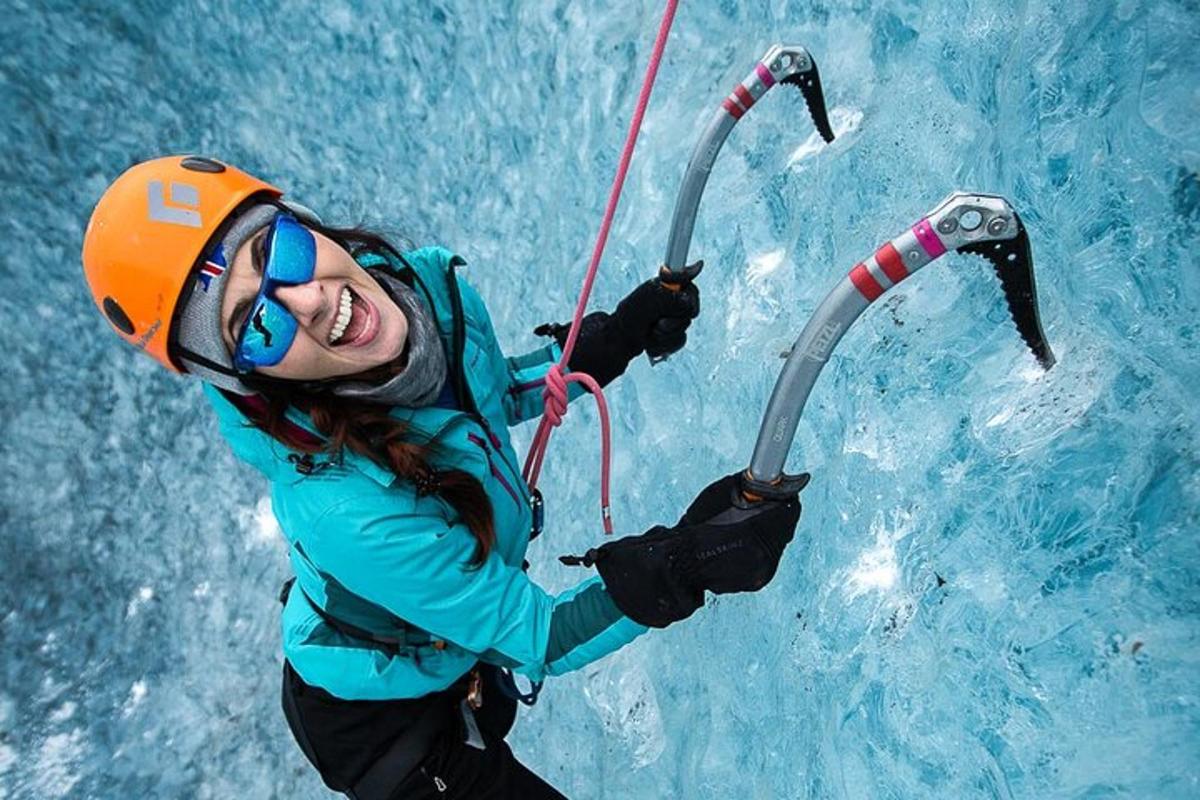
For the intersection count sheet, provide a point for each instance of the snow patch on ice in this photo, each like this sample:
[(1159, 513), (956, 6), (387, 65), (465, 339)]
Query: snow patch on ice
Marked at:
[(144, 595), (54, 769), (877, 569), (137, 693), (764, 264), (63, 712), (260, 524)]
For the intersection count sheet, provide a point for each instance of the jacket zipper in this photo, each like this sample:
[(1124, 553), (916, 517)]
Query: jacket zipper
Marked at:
[(462, 389), (467, 398), (496, 473), (438, 783)]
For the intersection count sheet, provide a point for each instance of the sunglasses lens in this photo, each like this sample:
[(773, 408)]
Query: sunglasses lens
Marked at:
[(270, 331), (291, 259), (291, 252)]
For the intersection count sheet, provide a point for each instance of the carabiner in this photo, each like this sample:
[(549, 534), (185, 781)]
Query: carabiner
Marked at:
[(539, 514)]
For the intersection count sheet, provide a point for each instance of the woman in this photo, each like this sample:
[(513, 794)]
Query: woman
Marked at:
[(368, 386)]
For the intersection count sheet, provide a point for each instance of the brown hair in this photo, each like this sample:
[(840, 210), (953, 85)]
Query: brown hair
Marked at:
[(367, 428)]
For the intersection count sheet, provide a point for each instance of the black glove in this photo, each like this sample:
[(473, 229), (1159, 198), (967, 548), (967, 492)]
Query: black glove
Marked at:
[(656, 317), (738, 543), (723, 543), (652, 319)]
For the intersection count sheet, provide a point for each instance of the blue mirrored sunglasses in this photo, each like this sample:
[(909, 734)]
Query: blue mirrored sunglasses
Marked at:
[(289, 259)]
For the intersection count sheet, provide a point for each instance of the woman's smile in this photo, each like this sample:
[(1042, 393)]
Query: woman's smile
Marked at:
[(357, 322)]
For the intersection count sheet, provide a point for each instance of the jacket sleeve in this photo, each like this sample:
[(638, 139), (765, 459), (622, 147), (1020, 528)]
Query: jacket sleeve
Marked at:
[(526, 380), (416, 565)]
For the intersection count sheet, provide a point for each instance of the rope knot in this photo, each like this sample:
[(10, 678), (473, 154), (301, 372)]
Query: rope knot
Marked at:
[(555, 395)]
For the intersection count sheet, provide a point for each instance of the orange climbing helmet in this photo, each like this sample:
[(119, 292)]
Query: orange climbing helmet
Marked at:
[(147, 236)]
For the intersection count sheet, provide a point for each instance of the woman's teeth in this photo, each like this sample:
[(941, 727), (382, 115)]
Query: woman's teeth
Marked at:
[(343, 317)]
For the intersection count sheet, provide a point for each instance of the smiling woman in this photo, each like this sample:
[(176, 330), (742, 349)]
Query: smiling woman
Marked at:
[(367, 385), (297, 306)]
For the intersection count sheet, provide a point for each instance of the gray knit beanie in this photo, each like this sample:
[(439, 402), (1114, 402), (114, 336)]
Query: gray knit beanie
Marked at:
[(202, 347)]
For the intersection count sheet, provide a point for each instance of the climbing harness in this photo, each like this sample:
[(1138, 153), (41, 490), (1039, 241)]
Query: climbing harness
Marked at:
[(410, 641), (979, 224), (787, 65)]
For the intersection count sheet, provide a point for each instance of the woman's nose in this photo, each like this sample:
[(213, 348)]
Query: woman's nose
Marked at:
[(305, 301)]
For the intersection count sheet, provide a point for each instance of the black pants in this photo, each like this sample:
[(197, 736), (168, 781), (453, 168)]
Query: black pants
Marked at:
[(344, 738)]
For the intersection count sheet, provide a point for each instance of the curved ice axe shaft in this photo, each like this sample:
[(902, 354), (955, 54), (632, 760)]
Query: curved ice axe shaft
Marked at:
[(788, 65), (791, 65), (982, 224)]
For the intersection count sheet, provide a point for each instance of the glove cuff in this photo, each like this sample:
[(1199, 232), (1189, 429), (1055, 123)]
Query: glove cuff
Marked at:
[(601, 349), (644, 578)]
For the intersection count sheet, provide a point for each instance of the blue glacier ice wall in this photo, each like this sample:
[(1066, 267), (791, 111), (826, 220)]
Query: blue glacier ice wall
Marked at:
[(994, 591)]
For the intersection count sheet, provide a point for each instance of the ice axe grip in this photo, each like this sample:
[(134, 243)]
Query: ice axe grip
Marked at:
[(781, 488), (672, 280)]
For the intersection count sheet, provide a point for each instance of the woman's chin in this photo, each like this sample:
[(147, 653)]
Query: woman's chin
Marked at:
[(392, 338), (385, 349)]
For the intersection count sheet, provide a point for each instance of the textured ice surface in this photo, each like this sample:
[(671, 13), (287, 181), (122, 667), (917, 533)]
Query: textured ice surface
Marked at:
[(994, 591)]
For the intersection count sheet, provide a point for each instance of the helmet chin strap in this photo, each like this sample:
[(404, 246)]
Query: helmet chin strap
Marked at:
[(250, 383), (191, 355)]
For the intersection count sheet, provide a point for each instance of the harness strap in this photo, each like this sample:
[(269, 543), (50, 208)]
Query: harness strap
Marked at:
[(404, 755), (392, 644)]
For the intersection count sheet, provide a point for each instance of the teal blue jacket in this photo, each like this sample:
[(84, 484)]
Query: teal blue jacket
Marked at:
[(372, 553)]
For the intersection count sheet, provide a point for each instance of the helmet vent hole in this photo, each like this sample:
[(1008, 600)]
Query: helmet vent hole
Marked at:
[(117, 316), (200, 164)]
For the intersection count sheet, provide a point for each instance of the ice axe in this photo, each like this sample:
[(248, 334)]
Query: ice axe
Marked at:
[(981, 224), (786, 65)]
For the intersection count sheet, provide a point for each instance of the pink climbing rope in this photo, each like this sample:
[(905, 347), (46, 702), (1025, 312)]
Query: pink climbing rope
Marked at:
[(554, 396)]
